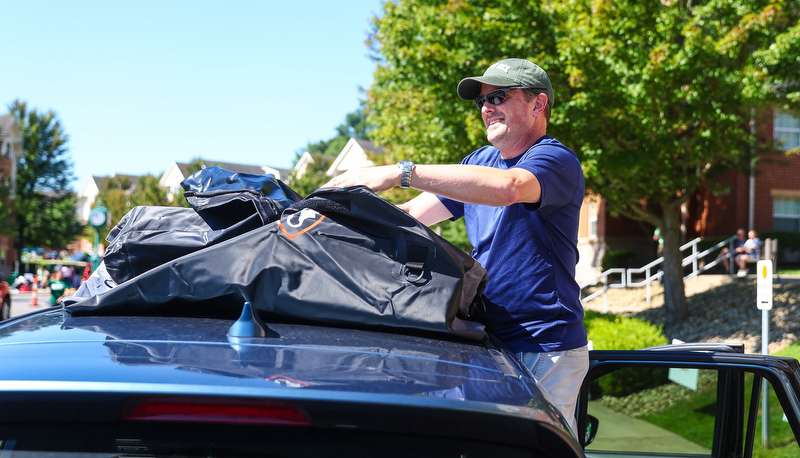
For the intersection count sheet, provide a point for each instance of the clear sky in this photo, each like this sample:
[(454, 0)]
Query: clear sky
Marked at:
[(138, 84)]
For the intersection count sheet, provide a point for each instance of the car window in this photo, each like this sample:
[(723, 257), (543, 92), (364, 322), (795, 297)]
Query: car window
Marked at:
[(649, 411)]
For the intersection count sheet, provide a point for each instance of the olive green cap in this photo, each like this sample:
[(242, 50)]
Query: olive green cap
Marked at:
[(508, 73)]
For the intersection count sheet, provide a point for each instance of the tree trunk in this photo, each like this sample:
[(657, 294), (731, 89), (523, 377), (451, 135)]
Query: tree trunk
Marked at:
[(675, 307)]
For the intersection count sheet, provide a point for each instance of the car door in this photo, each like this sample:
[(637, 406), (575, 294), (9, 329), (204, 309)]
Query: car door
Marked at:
[(689, 400)]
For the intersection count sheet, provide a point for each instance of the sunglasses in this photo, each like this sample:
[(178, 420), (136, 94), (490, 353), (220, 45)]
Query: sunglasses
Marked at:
[(497, 96)]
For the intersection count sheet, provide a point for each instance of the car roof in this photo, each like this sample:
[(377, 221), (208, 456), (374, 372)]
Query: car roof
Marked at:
[(55, 346)]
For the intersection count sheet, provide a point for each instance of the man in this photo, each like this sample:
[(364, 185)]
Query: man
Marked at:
[(747, 252), (737, 245), (520, 199)]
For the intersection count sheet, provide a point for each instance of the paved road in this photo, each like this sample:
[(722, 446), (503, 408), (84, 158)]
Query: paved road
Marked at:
[(21, 302)]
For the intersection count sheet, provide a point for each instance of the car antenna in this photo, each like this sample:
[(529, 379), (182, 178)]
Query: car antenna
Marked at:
[(249, 324)]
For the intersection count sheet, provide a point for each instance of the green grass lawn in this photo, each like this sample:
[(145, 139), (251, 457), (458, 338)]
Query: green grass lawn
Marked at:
[(792, 351), (693, 417)]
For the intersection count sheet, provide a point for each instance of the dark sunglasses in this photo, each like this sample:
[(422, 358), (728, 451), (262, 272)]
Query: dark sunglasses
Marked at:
[(496, 97)]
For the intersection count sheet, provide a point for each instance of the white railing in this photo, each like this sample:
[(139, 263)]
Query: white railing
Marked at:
[(652, 273)]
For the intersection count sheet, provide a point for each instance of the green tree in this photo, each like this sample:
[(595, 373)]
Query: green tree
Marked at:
[(120, 193), (7, 224), (661, 97), (148, 192), (116, 195), (45, 207), (424, 48), (314, 176), (655, 97)]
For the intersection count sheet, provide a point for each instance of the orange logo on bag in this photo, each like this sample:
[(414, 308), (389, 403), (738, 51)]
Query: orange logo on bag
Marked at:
[(300, 223)]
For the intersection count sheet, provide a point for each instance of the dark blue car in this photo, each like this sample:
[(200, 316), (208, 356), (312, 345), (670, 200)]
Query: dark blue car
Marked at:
[(194, 386)]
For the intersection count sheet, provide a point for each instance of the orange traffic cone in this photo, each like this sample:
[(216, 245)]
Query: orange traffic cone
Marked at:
[(34, 291)]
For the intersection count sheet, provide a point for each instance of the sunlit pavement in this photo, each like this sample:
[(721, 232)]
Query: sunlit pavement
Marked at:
[(21, 302)]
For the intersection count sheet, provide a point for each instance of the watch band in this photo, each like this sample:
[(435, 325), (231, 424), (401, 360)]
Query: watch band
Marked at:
[(406, 167)]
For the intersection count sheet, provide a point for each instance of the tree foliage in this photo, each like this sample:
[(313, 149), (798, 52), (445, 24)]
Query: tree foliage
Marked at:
[(655, 97), (662, 95), (7, 224), (424, 48), (314, 175), (120, 193), (45, 207)]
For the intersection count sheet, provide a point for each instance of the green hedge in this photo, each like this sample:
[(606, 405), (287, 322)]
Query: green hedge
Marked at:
[(787, 241), (617, 258), (611, 332)]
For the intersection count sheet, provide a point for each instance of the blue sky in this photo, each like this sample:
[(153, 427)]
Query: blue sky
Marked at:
[(139, 84)]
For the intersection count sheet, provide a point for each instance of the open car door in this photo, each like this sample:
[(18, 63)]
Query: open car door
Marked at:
[(689, 400)]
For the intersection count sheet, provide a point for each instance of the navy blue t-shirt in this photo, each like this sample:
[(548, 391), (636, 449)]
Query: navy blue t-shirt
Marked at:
[(530, 251)]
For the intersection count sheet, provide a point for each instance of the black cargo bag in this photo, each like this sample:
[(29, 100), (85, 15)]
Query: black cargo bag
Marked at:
[(224, 204), (341, 256)]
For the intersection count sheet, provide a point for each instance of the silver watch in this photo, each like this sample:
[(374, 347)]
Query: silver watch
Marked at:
[(406, 167)]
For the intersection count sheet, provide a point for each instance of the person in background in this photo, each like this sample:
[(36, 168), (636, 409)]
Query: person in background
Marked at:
[(737, 244), (747, 252), (658, 240), (520, 199), (42, 275), (58, 286)]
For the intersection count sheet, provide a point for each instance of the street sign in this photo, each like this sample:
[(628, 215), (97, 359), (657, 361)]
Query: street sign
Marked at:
[(764, 285)]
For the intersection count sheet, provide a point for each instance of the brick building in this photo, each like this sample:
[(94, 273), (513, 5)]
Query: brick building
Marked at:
[(10, 149), (767, 201)]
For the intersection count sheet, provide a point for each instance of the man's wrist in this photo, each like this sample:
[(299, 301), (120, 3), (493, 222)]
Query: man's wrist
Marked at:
[(406, 169)]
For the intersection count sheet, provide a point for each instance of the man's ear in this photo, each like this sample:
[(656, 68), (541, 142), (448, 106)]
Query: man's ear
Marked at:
[(541, 102)]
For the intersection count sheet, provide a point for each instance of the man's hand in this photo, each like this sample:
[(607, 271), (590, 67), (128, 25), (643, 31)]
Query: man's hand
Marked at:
[(378, 179)]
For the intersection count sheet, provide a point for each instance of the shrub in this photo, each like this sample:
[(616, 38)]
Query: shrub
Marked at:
[(788, 242), (617, 258), (611, 332)]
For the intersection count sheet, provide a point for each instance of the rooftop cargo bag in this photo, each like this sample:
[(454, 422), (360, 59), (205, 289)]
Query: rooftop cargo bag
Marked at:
[(224, 204), (341, 256)]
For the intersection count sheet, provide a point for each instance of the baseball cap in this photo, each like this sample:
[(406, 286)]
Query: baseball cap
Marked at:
[(508, 73)]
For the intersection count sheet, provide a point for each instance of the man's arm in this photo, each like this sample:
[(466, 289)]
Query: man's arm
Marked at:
[(473, 184), (427, 208)]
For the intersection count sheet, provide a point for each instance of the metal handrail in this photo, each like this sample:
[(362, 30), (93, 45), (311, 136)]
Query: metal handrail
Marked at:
[(647, 269), (607, 285)]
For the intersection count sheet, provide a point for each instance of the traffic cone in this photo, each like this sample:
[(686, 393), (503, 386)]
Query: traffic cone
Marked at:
[(34, 291)]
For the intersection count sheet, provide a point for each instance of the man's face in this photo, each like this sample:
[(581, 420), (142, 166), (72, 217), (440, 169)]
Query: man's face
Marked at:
[(510, 123)]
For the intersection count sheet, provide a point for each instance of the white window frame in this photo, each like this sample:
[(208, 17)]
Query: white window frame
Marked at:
[(786, 216), (592, 218), (781, 132)]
